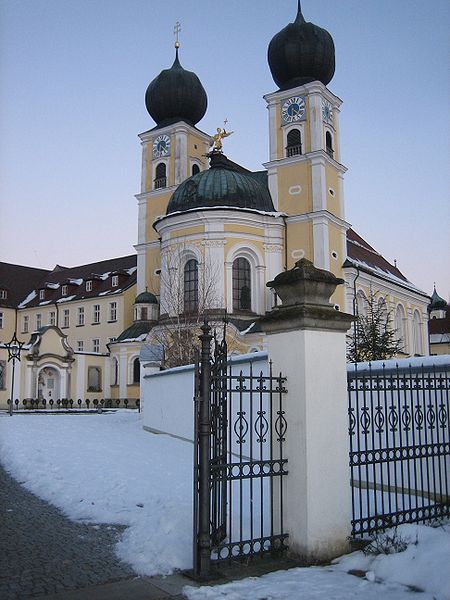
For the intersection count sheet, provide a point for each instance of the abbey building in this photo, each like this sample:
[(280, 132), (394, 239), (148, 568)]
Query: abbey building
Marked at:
[(211, 234)]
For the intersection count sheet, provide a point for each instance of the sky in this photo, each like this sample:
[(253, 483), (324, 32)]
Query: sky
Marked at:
[(73, 76)]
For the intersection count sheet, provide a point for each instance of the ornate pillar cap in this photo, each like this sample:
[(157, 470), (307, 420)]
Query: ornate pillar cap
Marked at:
[(305, 293)]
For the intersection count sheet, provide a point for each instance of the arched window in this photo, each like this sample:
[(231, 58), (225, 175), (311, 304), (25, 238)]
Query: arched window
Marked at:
[(242, 293), (191, 286), (294, 143), (329, 144), (361, 302), (195, 169), (400, 327), (417, 334), (160, 176), (136, 370)]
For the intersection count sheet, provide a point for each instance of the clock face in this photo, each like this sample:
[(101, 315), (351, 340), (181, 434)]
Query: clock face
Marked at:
[(293, 109), (161, 146), (327, 112)]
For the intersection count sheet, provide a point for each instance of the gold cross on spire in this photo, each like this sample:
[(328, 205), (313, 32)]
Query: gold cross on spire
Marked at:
[(176, 31)]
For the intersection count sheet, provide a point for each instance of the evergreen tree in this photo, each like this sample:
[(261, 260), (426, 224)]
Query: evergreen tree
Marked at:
[(373, 336)]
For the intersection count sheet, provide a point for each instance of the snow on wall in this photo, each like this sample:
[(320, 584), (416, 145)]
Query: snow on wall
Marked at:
[(167, 397)]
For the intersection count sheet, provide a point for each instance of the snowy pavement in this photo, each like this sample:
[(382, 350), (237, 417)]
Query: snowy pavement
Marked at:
[(107, 469)]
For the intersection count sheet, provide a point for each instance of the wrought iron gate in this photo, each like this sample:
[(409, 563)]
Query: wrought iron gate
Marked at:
[(240, 427)]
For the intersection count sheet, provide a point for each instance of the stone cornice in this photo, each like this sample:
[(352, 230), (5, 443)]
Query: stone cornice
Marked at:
[(315, 87), (317, 157), (319, 215)]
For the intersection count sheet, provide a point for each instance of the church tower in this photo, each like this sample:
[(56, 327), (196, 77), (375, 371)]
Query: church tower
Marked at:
[(171, 152), (305, 175)]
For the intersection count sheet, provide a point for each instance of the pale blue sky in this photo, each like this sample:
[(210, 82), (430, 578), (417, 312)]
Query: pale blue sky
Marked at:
[(73, 75)]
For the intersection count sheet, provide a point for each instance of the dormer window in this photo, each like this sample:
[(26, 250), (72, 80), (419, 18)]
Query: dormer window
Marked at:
[(41, 294), (64, 290), (89, 286), (115, 280), (3, 294)]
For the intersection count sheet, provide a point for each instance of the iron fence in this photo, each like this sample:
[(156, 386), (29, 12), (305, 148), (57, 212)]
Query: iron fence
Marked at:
[(74, 404), (399, 446), (240, 427)]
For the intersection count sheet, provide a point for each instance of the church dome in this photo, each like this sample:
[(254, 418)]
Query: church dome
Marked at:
[(300, 53), (146, 298), (224, 184), (176, 95)]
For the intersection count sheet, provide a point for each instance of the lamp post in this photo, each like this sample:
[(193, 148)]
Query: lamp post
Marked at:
[(14, 348)]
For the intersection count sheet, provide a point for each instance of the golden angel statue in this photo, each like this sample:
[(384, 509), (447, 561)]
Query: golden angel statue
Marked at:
[(218, 137)]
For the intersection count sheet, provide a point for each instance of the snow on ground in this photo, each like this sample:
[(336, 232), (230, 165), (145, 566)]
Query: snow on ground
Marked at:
[(107, 469)]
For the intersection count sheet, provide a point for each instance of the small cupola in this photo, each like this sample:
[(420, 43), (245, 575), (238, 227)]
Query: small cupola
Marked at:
[(438, 306), (146, 307), (301, 53)]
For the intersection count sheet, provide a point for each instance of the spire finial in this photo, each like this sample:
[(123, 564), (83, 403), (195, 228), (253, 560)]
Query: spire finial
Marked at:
[(176, 31), (299, 16)]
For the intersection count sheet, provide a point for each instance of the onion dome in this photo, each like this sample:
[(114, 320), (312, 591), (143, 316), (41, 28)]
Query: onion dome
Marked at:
[(176, 95), (223, 185), (300, 53), (437, 303), (146, 298)]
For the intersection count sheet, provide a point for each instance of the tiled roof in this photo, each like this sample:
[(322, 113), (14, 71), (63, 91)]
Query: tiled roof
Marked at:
[(17, 281), (100, 273), (359, 250)]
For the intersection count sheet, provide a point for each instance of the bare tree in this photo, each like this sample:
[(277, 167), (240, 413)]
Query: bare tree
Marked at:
[(188, 292), (373, 336)]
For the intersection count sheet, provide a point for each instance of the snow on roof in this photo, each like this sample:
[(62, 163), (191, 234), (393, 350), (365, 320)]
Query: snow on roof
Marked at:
[(131, 271), (52, 286), (66, 299), (75, 281), (386, 274), (31, 296)]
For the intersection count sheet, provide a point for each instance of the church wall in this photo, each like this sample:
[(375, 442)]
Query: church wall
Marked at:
[(299, 241), (294, 188), (332, 183)]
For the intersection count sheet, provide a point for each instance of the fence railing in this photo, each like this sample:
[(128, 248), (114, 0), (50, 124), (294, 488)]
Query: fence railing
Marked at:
[(75, 404), (399, 445)]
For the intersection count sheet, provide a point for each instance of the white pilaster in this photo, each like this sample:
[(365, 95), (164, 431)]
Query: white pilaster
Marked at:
[(79, 382), (321, 243)]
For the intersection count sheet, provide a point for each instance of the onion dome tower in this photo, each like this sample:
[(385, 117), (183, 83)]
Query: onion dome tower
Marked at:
[(176, 95), (224, 184), (437, 303), (301, 53)]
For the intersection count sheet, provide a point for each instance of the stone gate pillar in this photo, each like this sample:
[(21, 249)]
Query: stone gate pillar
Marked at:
[(306, 341)]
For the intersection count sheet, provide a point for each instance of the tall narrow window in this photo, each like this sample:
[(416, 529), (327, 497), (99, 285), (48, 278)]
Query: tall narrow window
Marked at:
[(191, 286), (81, 315), (242, 294), (52, 317), (160, 176), (329, 144), (294, 143), (195, 169), (2, 374), (113, 311), (1, 320), (96, 345), (38, 321), (66, 320), (26, 321), (400, 326), (136, 370), (96, 314)]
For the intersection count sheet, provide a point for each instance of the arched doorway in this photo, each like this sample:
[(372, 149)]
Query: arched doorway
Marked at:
[(49, 383)]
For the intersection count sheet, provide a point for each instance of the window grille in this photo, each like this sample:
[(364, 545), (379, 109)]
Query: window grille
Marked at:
[(160, 176), (294, 143)]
